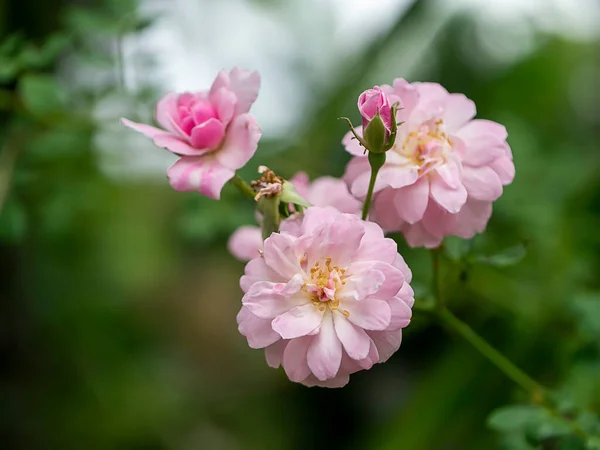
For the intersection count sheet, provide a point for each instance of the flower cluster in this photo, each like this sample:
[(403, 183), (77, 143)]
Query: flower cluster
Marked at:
[(443, 171), (326, 294)]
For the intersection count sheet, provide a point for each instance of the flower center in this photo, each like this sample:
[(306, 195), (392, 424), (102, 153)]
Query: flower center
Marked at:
[(428, 146), (323, 284)]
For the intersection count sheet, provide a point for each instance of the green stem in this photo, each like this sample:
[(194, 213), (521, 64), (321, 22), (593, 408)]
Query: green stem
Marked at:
[(435, 277), (376, 160), (528, 384), (242, 186)]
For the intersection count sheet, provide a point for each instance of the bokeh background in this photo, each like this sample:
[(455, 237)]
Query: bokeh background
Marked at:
[(118, 296)]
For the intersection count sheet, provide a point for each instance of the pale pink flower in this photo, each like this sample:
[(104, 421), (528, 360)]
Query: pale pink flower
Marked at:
[(444, 171), (247, 240), (211, 131), (328, 297), (373, 101)]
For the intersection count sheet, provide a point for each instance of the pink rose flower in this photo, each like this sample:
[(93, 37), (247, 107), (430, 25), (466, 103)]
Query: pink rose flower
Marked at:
[(443, 172), (373, 101), (211, 131), (246, 241), (328, 297)]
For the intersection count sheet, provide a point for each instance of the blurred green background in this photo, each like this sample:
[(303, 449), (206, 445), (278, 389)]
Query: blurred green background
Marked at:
[(117, 327)]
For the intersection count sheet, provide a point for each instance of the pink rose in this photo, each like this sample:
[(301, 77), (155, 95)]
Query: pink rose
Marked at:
[(373, 101), (328, 297), (211, 131), (443, 172), (247, 240)]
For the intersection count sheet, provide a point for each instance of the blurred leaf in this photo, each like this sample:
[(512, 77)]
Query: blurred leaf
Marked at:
[(41, 94), (508, 257), (9, 68), (514, 417), (456, 248), (587, 311), (12, 221), (593, 443)]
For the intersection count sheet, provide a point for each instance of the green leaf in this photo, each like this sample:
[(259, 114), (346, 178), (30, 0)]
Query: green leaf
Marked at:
[(41, 94), (506, 258), (514, 417), (289, 195)]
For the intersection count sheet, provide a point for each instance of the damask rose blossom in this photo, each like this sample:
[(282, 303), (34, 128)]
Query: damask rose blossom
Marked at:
[(247, 240), (328, 297), (444, 170), (211, 131)]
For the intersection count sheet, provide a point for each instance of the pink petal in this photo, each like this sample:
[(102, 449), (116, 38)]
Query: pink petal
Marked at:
[(200, 174), (381, 213), (240, 143), (225, 103), (394, 279), (438, 221), (400, 264), (504, 168), (449, 199), (245, 85), (245, 243), (387, 343), (383, 249), (208, 135), (362, 281), (339, 240), (407, 295), (482, 183), (389, 176), (298, 321), (411, 201), (294, 358), (458, 110), (401, 314), (279, 255), (483, 150), (369, 314), (329, 191), (472, 218), (417, 236), (163, 139), (474, 129), (274, 353), (265, 302), (258, 331), (354, 339), (301, 183), (256, 270), (166, 112), (340, 380), (324, 355), (371, 359)]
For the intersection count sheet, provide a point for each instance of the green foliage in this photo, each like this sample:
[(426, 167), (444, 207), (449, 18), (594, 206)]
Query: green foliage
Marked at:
[(41, 95), (119, 330)]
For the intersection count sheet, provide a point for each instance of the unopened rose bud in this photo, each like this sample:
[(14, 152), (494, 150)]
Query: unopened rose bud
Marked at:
[(373, 102)]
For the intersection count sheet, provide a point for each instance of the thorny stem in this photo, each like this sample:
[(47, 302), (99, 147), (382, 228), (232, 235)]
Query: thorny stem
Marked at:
[(528, 384), (376, 160), (243, 186), (537, 392)]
